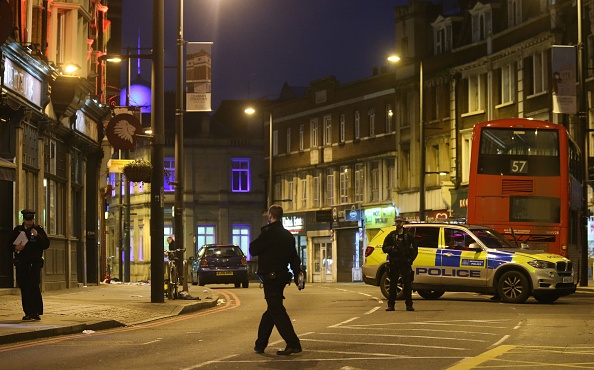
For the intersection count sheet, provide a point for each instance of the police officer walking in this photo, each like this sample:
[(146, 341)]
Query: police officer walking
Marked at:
[(28, 241), (275, 248), (402, 251)]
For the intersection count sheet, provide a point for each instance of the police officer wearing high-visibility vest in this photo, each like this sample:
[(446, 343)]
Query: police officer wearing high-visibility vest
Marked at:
[(402, 251), (27, 242)]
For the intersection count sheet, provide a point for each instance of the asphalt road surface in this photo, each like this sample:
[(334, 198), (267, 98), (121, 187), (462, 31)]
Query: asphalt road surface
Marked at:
[(341, 326)]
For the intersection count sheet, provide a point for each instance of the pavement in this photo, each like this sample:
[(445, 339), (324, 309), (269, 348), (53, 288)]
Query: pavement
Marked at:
[(92, 308)]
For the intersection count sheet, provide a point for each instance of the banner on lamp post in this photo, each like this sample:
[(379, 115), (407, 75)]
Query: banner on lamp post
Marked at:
[(198, 76), (564, 79)]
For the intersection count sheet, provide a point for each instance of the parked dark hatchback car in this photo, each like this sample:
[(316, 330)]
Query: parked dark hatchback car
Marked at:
[(219, 264)]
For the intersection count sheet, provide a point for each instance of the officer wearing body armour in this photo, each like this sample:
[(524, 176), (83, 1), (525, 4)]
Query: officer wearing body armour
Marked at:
[(402, 251), (27, 242)]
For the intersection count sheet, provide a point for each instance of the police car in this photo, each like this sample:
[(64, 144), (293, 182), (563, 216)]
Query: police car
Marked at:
[(464, 258)]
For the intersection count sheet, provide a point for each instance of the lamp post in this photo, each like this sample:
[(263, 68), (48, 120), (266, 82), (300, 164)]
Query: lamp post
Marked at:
[(422, 158), (158, 130), (269, 193), (178, 217)]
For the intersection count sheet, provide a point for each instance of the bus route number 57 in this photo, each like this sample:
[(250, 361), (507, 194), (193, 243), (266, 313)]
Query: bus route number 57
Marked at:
[(519, 166)]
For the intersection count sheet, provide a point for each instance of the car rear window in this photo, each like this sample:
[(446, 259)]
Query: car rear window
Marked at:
[(223, 252)]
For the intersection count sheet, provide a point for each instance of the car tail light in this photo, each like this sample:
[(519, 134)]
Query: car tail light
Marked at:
[(369, 250), (203, 262), (243, 261)]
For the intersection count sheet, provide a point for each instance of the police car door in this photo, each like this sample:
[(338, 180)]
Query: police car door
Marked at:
[(424, 266), (459, 265)]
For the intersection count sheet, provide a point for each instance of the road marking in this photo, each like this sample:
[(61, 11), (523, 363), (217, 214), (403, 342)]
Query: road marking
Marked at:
[(371, 311), (499, 341), (473, 362), (344, 322), (385, 344), (408, 336)]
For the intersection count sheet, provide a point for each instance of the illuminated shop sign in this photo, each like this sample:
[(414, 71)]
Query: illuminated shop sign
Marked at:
[(379, 217), (293, 224), (22, 83)]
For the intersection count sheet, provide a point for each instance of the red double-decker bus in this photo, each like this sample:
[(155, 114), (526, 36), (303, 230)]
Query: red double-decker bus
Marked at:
[(526, 182)]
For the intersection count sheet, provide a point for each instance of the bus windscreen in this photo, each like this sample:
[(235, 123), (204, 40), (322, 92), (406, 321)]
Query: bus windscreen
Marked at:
[(519, 152)]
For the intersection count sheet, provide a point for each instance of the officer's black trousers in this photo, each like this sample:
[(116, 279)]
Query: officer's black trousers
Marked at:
[(276, 315), (395, 269), (29, 277)]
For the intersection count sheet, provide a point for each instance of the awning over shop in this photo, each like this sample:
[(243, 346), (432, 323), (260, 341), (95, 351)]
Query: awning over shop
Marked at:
[(7, 170)]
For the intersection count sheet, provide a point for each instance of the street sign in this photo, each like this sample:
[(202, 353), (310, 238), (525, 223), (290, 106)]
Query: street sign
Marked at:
[(117, 165)]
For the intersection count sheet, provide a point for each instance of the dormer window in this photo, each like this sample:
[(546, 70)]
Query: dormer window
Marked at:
[(514, 12), (442, 34), (482, 25)]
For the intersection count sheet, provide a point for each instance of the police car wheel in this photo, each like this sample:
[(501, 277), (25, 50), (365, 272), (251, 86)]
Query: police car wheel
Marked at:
[(431, 294), (385, 286), (513, 287)]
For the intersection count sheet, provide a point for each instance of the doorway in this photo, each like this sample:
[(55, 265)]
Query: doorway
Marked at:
[(322, 260)]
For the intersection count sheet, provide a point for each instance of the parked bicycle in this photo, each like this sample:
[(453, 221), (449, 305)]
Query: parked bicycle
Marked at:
[(175, 277)]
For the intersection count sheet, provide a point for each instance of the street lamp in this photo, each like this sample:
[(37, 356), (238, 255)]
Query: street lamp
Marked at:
[(422, 173), (178, 216), (269, 193)]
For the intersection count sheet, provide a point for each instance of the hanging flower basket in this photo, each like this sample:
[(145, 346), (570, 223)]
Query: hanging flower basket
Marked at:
[(138, 171)]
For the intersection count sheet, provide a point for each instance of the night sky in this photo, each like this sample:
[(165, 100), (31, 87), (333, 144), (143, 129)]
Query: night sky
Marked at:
[(260, 44)]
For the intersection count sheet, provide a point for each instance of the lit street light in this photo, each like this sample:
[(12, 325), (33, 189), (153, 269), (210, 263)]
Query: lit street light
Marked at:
[(422, 173)]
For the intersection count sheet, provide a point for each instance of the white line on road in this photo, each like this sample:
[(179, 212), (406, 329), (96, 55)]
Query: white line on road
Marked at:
[(371, 311), (408, 336), (499, 341), (344, 322), (385, 344)]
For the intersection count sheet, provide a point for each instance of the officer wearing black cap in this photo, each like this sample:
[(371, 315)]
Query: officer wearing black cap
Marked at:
[(28, 241), (402, 251)]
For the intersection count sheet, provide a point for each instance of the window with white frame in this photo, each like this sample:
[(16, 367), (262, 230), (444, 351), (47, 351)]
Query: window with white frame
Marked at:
[(329, 187), (240, 236), (357, 125), (169, 176), (275, 143), (435, 157), (389, 118), (442, 33), (289, 192), (507, 84), (345, 184), (314, 133), (359, 182), (466, 150), (539, 72), (406, 169), (301, 136), (240, 175), (288, 140), (371, 114), (342, 131), (55, 186), (132, 245), (476, 92), (514, 12), (375, 180), (391, 164), (140, 240), (481, 21), (303, 189), (327, 130), (316, 189), (205, 234)]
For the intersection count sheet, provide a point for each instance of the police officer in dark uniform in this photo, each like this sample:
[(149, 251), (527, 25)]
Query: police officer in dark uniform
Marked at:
[(275, 248), (402, 251), (28, 260)]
